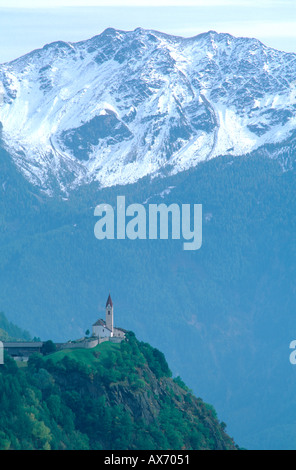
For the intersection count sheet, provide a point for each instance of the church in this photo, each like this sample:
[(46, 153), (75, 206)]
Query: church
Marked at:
[(105, 328), (102, 330)]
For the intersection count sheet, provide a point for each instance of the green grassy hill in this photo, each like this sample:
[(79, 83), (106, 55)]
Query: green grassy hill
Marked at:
[(90, 358)]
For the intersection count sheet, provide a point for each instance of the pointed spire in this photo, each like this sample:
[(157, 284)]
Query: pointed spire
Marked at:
[(109, 301)]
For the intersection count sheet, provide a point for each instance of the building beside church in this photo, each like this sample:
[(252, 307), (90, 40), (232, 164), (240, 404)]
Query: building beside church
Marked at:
[(105, 328)]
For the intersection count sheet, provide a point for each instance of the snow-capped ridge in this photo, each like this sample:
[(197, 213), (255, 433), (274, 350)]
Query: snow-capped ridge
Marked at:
[(126, 104)]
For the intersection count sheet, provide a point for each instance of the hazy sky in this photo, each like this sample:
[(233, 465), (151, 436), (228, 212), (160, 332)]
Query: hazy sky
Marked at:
[(56, 3), (29, 24)]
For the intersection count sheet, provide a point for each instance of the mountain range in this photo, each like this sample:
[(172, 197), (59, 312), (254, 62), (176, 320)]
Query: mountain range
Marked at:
[(159, 118), (124, 105)]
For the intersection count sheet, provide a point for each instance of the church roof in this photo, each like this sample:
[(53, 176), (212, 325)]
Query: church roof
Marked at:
[(100, 322), (109, 301)]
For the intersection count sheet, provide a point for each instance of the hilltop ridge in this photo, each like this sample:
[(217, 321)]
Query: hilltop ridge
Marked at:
[(115, 396)]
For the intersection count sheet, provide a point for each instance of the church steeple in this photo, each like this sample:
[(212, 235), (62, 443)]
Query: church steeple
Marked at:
[(109, 301), (109, 314)]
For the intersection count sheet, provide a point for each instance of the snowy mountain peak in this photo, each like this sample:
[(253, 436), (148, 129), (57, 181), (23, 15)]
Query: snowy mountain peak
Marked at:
[(125, 104)]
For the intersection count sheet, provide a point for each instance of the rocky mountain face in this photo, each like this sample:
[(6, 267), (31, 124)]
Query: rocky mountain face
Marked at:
[(123, 105)]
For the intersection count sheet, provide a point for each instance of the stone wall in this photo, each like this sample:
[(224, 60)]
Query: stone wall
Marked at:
[(102, 340), (116, 339), (87, 344)]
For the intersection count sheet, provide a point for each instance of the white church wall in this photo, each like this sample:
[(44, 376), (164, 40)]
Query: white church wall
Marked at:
[(101, 331)]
